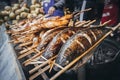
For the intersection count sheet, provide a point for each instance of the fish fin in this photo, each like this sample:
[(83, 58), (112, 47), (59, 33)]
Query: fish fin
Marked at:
[(51, 65)]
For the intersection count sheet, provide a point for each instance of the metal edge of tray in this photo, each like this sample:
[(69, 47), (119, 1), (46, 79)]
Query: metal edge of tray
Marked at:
[(8, 57)]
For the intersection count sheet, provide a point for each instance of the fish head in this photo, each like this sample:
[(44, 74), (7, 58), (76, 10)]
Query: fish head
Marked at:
[(62, 61), (47, 54)]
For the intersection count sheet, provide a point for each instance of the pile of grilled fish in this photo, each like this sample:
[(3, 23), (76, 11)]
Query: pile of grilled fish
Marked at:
[(42, 38)]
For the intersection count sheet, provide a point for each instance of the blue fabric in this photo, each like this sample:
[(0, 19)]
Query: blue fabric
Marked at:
[(47, 5)]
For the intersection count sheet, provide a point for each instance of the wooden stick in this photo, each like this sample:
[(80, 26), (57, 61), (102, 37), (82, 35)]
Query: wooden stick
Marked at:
[(43, 57), (15, 42), (42, 62), (105, 23), (44, 16), (82, 11), (52, 63), (37, 50), (80, 25), (79, 22), (79, 57), (101, 25), (36, 62), (25, 54), (39, 72), (58, 66), (28, 32), (8, 31), (86, 59), (89, 23), (29, 48), (76, 25), (27, 62), (39, 66), (44, 76), (11, 41), (25, 44), (25, 38)]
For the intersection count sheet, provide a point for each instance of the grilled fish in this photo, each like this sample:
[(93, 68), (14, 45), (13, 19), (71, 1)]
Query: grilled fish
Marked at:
[(56, 43), (48, 36), (77, 44)]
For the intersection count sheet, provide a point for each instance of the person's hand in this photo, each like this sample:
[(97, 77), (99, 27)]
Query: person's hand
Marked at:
[(51, 10), (41, 10)]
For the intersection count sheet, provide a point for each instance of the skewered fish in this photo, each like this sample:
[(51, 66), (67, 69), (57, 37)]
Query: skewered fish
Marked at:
[(48, 36), (77, 44), (41, 23), (59, 40)]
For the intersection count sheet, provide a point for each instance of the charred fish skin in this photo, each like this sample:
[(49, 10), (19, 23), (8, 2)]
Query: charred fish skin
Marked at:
[(76, 45), (55, 45), (47, 40), (47, 37), (52, 30)]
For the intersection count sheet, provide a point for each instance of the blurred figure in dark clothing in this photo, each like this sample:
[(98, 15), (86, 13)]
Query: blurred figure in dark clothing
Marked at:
[(14, 1), (6, 1), (9, 2), (99, 8), (85, 4)]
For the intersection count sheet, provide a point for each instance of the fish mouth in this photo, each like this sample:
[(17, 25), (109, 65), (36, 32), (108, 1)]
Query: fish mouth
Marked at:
[(56, 68)]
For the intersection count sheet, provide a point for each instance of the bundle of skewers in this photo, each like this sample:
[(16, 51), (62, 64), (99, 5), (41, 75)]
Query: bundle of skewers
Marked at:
[(55, 43)]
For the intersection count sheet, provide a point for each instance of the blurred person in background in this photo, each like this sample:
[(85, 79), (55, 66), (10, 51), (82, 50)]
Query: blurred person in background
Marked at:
[(110, 12), (53, 7), (85, 4)]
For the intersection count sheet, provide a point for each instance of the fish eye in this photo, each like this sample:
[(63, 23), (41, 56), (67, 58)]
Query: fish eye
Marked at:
[(67, 62)]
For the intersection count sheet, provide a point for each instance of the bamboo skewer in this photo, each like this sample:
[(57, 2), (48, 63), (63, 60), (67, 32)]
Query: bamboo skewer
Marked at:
[(13, 41), (42, 62), (8, 32), (85, 60), (36, 62), (89, 23), (105, 23), (80, 25), (44, 69), (25, 54), (79, 57), (44, 76), (29, 32), (39, 72), (79, 22), (25, 44), (82, 11), (29, 48), (39, 66), (27, 62)]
